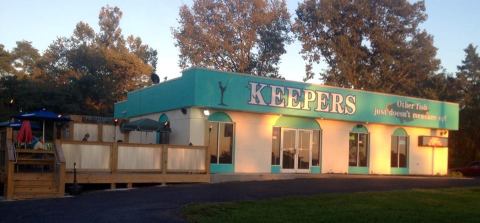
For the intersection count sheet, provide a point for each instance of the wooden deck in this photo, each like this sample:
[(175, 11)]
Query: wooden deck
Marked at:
[(29, 174), (33, 174)]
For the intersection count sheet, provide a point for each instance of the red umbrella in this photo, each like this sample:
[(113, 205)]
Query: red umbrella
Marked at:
[(25, 132)]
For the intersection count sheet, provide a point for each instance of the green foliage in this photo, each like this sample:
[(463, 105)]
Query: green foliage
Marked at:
[(24, 59), (432, 205), (5, 61), (371, 45), (465, 143), (240, 36)]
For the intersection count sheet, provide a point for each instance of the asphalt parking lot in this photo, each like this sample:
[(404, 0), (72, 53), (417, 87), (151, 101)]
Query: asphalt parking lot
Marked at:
[(162, 204)]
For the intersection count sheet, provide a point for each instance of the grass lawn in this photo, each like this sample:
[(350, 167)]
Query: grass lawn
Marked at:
[(426, 205)]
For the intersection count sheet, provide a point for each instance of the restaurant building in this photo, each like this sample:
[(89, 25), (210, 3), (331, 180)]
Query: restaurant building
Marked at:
[(255, 124)]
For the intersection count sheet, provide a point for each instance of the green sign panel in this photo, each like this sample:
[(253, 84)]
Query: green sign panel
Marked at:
[(231, 91)]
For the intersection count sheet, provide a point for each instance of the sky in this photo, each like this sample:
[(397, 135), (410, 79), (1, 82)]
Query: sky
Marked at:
[(453, 24)]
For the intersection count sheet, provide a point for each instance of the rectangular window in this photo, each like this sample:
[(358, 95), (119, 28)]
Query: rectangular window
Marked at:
[(213, 141), (289, 147), (316, 148), (221, 142), (276, 134), (362, 149), (399, 152), (358, 151), (226, 142), (402, 151), (352, 155), (394, 153)]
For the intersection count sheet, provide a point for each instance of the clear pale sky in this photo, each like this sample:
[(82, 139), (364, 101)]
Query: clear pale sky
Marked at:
[(454, 24)]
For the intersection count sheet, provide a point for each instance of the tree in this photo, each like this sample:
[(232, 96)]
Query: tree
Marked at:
[(25, 58), (465, 142), (372, 45), (240, 36), (5, 62), (110, 33), (99, 68)]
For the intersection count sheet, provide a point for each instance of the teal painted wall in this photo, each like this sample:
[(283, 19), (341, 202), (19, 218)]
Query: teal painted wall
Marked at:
[(169, 95), (297, 122), (359, 129), (219, 117), (400, 132), (200, 87)]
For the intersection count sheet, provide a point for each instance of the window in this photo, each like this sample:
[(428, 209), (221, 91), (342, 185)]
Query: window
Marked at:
[(221, 142), (358, 151), (276, 139), (399, 152), (316, 147)]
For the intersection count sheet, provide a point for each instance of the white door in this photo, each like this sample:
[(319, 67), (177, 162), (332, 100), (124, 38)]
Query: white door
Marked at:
[(296, 149)]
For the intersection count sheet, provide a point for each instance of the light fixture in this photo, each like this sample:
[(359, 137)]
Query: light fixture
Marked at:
[(443, 132), (206, 112), (184, 111)]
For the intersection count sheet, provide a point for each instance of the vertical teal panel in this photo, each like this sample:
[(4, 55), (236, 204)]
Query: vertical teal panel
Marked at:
[(275, 168), (399, 171), (221, 168), (357, 170), (315, 169)]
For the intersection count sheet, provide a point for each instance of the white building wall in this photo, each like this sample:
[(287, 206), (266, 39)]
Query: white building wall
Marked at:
[(197, 124), (380, 148), (421, 157), (335, 146), (179, 123), (253, 141)]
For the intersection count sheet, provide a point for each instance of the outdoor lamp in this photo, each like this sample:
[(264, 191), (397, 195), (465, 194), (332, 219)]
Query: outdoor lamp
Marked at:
[(206, 112)]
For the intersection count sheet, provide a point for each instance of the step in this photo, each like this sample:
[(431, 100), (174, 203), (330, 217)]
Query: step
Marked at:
[(34, 183), (34, 189), (26, 195), (32, 161), (33, 176), (31, 151)]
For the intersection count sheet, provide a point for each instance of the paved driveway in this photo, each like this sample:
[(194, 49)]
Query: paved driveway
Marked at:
[(162, 204)]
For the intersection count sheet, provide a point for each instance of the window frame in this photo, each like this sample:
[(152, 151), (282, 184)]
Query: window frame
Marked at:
[(218, 141), (367, 137), (319, 146), (279, 144), (396, 138)]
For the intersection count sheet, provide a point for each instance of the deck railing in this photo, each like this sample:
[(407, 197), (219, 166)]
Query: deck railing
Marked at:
[(9, 170), (101, 162), (59, 168)]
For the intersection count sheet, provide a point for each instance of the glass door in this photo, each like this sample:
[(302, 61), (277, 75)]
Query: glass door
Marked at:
[(304, 148), (296, 149), (288, 150)]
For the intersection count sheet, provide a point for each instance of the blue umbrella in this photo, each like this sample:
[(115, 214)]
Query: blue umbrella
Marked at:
[(42, 115), (16, 124)]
